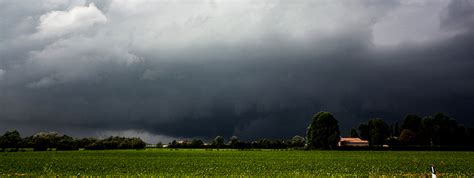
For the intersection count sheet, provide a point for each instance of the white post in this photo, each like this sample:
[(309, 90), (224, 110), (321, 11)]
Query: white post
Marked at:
[(433, 171)]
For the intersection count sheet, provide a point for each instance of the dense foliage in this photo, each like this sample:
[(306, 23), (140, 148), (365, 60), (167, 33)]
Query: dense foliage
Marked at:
[(43, 141), (200, 162), (377, 131), (437, 131), (234, 142), (323, 132), (116, 143), (11, 139)]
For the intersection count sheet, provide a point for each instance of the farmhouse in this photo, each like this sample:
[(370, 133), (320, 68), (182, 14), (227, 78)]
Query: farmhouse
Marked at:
[(352, 142)]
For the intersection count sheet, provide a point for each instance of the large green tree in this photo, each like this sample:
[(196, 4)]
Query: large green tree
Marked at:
[(379, 131), (218, 142), (297, 141), (364, 131), (354, 133), (66, 143), (376, 131), (412, 122), (196, 143), (323, 132), (411, 129), (11, 139), (432, 131), (447, 131), (233, 141)]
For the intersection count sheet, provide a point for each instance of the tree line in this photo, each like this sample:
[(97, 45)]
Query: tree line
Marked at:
[(322, 133), (235, 143), (12, 141), (439, 130)]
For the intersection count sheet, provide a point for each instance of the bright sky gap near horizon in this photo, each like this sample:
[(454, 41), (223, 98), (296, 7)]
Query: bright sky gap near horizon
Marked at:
[(167, 69)]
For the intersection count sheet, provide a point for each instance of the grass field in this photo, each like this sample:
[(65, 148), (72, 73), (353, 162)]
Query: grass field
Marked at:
[(233, 162)]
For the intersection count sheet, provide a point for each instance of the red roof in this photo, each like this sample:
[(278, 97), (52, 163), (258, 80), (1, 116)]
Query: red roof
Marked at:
[(352, 140)]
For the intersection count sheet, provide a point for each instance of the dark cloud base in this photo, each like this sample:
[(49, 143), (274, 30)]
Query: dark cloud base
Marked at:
[(252, 91), (256, 98)]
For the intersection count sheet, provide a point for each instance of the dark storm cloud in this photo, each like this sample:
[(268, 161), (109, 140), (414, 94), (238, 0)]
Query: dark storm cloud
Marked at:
[(459, 15), (248, 69)]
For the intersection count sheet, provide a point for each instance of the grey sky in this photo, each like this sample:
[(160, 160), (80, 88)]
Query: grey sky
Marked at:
[(167, 69)]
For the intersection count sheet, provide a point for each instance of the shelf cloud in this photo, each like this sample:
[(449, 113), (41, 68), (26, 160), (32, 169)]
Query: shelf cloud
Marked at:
[(201, 68)]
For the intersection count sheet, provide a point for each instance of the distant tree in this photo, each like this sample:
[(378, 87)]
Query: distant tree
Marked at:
[(173, 144), (85, 142), (392, 141), (437, 130), (396, 130), (364, 131), (354, 133), (412, 122), (254, 144), (277, 144), (159, 145), (428, 132), (110, 143), (445, 130), (379, 131), (407, 137), (11, 139), (218, 142), (196, 143), (470, 136), (123, 143), (460, 136), (117, 143), (40, 143), (233, 141), (323, 132), (66, 143), (242, 145), (137, 143), (297, 141), (264, 143), (98, 145)]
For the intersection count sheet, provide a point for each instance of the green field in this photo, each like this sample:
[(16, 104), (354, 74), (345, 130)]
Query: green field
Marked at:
[(234, 162)]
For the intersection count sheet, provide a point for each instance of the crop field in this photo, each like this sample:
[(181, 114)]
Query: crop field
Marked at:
[(191, 162)]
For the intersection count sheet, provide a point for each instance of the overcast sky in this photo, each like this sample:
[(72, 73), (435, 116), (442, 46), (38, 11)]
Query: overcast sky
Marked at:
[(172, 69)]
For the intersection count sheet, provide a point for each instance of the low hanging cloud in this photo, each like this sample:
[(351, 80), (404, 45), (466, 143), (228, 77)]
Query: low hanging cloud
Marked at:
[(77, 58), (196, 69), (459, 15), (413, 21)]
